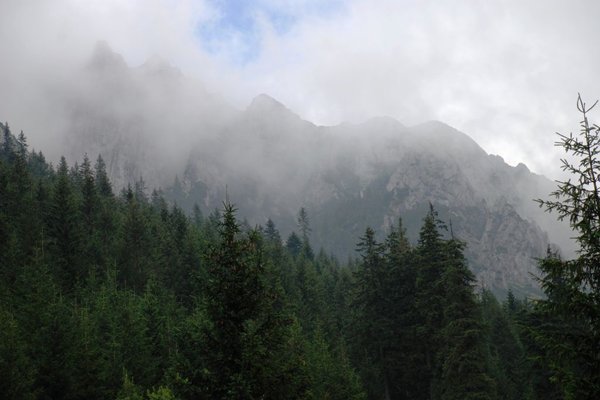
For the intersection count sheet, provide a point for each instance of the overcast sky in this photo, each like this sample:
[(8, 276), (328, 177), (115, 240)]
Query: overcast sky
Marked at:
[(505, 72)]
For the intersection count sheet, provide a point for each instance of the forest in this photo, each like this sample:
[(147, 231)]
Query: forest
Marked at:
[(107, 295)]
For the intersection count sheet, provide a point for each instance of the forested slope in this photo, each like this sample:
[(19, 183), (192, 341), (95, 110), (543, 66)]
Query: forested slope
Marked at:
[(106, 295)]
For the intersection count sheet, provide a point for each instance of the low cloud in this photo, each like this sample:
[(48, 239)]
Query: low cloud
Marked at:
[(507, 73)]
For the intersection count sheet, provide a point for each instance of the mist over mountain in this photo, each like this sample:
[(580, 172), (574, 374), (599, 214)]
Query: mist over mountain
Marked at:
[(152, 122)]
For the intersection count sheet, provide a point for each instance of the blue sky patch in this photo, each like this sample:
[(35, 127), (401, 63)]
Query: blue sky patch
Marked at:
[(236, 33)]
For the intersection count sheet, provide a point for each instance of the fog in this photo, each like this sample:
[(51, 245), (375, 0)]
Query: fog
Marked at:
[(506, 73), (361, 112)]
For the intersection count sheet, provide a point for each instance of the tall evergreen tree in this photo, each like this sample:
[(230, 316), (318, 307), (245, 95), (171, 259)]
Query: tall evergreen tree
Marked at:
[(247, 329), (462, 354), (103, 185), (294, 244), (374, 319), (65, 228), (136, 253), (304, 226), (509, 367), (573, 287), (7, 143), (399, 256), (431, 262)]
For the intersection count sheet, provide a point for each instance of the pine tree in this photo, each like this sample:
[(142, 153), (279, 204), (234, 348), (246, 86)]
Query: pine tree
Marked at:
[(135, 261), (64, 228), (248, 330), (573, 287), (106, 218), (431, 261), (20, 203), (7, 144), (103, 185), (15, 367), (303, 223), (22, 146), (294, 244), (90, 209), (374, 315), (331, 375), (271, 232), (462, 354), (507, 359), (399, 257), (304, 226)]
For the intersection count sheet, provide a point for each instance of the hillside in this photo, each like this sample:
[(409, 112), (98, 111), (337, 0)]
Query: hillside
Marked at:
[(154, 123)]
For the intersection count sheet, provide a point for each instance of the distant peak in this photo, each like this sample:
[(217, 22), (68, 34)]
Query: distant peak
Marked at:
[(103, 57), (159, 66), (447, 137), (385, 121), (522, 168), (434, 123), (264, 101), (156, 61), (264, 104), (264, 107), (497, 157)]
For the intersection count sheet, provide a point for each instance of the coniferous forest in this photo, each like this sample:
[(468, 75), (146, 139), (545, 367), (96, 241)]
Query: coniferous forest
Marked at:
[(122, 295)]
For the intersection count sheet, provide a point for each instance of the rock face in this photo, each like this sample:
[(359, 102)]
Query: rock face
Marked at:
[(142, 120), (352, 176), (152, 121)]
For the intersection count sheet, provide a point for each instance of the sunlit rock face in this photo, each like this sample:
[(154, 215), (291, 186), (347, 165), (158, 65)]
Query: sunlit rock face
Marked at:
[(154, 123)]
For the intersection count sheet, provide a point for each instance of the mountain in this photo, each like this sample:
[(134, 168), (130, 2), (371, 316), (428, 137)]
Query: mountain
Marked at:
[(352, 176), (153, 122), (141, 119)]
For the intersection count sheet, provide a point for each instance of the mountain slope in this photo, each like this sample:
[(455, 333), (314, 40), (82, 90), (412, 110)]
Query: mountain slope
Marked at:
[(155, 123)]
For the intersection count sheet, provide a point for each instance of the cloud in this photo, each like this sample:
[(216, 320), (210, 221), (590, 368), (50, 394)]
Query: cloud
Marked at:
[(44, 43), (505, 72)]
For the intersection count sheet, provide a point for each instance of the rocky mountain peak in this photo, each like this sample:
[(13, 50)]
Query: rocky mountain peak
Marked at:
[(347, 176), (105, 59), (265, 103), (269, 119), (158, 66), (384, 123)]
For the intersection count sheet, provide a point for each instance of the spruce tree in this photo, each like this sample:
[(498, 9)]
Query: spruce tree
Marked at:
[(374, 315), (573, 287), (247, 329), (103, 185), (294, 244), (7, 144), (509, 367), (65, 229), (136, 257), (399, 257), (431, 261), (462, 353)]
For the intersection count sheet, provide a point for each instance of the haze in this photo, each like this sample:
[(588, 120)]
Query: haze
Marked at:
[(506, 72)]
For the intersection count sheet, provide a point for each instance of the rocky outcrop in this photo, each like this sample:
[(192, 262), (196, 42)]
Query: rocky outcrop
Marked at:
[(153, 122)]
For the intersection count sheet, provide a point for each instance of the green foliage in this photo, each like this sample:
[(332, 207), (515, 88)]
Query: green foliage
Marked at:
[(373, 313), (419, 332), (247, 330), (15, 366), (464, 372), (330, 375), (129, 390), (105, 296), (509, 366), (572, 308)]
